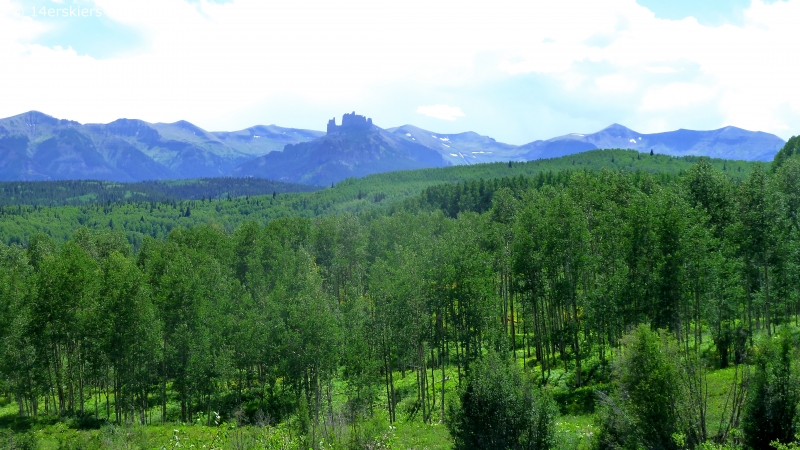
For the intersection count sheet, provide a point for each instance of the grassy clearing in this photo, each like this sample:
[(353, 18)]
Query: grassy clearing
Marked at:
[(576, 432)]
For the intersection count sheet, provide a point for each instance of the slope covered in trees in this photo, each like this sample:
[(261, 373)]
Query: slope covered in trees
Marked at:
[(329, 325), (82, 192), (150, 217)]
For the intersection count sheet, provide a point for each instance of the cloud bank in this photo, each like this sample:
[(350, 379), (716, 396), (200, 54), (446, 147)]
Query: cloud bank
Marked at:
[(443, 112), (523, 69)]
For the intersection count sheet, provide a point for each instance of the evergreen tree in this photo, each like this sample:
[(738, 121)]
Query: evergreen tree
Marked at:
[(791, 148), (499, 408), (771, 411), (646, 412)]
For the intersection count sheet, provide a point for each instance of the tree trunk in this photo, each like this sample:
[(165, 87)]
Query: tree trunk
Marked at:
[(441, 362), (513, 327), (386, 372), (766, 301)]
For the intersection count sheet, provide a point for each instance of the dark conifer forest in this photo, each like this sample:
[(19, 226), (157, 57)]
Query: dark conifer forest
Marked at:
[(608, 300), (83, 192)]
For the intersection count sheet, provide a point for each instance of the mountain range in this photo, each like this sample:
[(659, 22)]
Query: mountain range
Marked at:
[(354, 149), (35, 146), (724, 143)]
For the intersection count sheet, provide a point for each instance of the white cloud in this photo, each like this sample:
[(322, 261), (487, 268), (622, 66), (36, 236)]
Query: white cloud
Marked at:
[(675, 96), (205, 61), (744, 74), (443, 112), (615, 83), (657, 69)]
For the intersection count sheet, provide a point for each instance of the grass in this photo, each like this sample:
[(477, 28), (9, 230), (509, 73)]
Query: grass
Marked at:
[(575, 432), (415, 435), (575, 428)]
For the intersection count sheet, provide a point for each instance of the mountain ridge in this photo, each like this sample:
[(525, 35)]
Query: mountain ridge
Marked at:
[(354, 149), (36, 146), (728, 142)]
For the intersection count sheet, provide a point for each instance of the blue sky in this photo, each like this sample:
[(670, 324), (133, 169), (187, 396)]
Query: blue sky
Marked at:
[(516, 70)]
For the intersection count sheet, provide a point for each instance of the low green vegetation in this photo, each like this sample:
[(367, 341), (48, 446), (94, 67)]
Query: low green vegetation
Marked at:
[(603, 308), (499, 408)]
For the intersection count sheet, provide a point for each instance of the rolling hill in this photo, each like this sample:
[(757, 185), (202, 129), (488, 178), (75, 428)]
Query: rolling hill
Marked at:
[(86, 203)]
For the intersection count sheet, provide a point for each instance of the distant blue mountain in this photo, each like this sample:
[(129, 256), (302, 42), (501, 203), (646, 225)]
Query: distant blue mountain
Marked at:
[(35, 146), (354, 149), (459, 148), (727, 143)]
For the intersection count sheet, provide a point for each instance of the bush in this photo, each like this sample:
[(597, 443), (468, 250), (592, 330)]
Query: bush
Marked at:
[(499, 408), (580, 401), (771, 407), (17, 441), (645, 413)]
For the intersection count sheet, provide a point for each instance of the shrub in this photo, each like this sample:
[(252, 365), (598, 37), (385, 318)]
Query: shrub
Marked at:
[(771, 407), (17, 441), (499, 408), (645, 412)]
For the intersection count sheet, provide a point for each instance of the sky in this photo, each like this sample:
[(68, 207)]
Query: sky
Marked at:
[(515, 70)]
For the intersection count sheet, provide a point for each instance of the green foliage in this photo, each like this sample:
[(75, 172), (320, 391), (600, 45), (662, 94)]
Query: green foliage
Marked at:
[(499, 408), (790, 446), (336, 315), (80, 192), (230, 202), (791, 148), (645, 412), (771, 411), (17, 441), (711, 190), (579, 401), (661, 399)]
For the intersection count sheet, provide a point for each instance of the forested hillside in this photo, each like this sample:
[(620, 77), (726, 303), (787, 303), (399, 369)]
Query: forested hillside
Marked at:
[(140, 216), (508, 311), (83, 192)]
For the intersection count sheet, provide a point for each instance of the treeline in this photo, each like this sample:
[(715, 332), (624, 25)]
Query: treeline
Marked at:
[(83, 192), (264, 321)]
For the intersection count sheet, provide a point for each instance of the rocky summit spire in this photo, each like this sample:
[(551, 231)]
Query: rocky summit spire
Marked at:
[(350, 121)]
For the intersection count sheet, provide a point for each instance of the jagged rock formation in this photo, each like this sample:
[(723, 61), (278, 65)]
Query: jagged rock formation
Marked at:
[(352, 122), (355, 149)]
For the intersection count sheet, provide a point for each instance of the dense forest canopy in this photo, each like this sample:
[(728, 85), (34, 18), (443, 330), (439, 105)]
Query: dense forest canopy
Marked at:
[(83, 192), (542, 287), (163, 206)]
